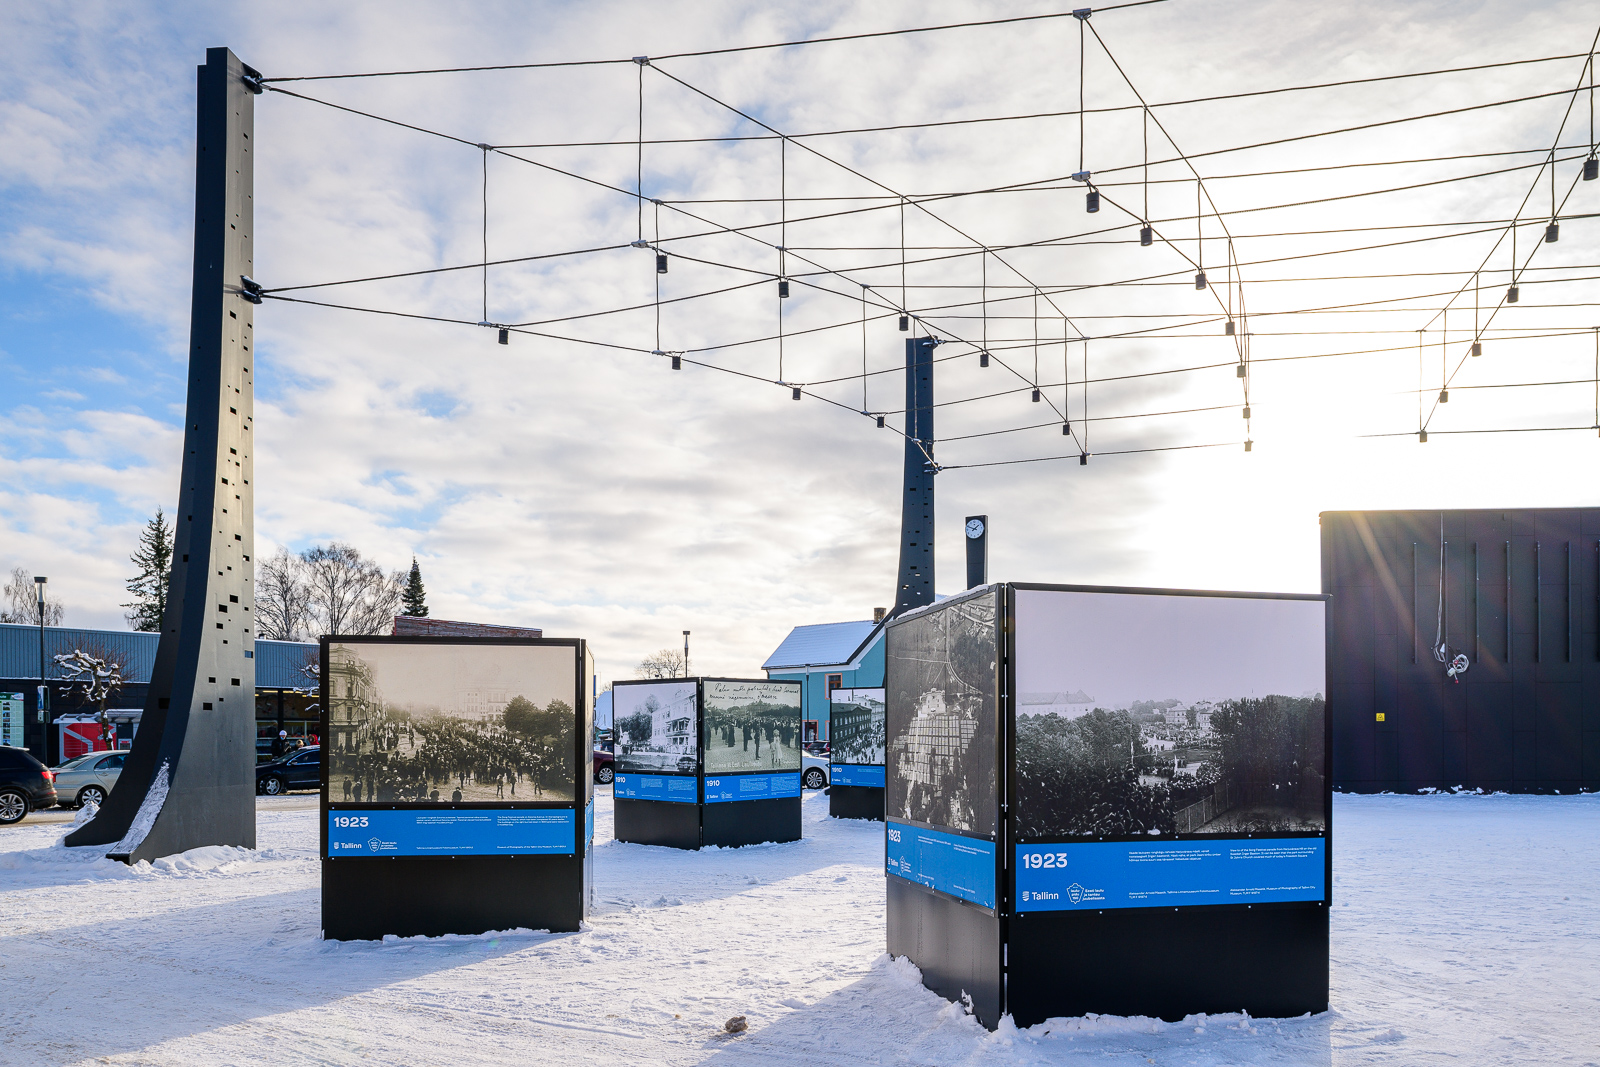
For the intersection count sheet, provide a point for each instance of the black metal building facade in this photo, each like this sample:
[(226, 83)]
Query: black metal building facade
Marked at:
[(1514, 592)]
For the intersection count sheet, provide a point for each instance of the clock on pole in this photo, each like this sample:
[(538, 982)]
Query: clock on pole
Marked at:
[(977, 550)]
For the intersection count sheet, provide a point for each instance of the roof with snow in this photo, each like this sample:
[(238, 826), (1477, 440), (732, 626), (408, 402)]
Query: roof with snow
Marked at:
[(821, 645)]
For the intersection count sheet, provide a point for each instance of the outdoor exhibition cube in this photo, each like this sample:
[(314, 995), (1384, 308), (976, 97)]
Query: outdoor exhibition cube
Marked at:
[(706, 761), (457, 794), (1111, 800), (855, 761)]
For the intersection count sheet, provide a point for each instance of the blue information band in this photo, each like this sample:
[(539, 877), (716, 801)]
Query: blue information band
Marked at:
[(588, 826), (680, 789), (435, 832), (728, 787), (1167, 874), (856, 774), (950, 863)]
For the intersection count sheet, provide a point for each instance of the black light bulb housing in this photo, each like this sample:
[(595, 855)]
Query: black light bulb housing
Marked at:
[(983, 359), (1066, 429), (783, 288), (1477, 348), (905, 323), (1512, 294), (1552, 233), (880, 422), (1083, 459), (661, 263), (797, 392), (1036, 396), (1200, 280), (1229, 328), (505, 336), (1422, 437), (1238, 372), (1591, 169), (1444, 396), (677, 362), (1147, 236), (1091, 201)]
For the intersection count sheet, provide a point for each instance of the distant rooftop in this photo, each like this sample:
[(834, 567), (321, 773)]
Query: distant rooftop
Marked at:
[(820, 645), (415, 626)]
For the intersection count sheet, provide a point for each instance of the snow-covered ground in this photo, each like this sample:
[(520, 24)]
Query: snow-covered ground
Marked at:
[(1466, 930)]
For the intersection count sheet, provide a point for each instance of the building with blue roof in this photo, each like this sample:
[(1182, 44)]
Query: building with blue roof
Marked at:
[(285, 694), (824, 657)]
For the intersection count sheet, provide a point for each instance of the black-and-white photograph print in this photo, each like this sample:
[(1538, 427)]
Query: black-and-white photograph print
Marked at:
[(1156, 714), (942, 705), (436, 722), (751, 726), (654, 724), (856, 729)]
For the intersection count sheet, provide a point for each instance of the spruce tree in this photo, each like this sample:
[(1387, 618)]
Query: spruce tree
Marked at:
[(153, 558), (414, 599)]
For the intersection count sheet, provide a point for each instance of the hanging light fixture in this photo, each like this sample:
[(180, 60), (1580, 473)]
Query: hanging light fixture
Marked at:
[(783, 288), (1066, 429), (905, 323), (1247, 444), (1422, 437), (1092, 201), (1552, 233), (1036, 396), (1247, 411), (983, 359), (797, 392), (1512, 294), (661, 263), (1238, 372), (1147, 236), (1200, 280), (1591, 169), (1477, 348), (1444, 396), (1229, 328), (677, 362), (505, 336), (880, 422), (1083, 459)]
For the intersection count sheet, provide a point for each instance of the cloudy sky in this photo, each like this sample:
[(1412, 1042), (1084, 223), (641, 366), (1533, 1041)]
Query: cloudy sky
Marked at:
[(574, 482)]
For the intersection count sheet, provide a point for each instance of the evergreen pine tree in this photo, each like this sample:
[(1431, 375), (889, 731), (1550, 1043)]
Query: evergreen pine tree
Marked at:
[(153, 557), (414, 599)]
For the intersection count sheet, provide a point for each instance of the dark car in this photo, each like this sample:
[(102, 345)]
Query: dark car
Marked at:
[(301, 769), (604, 763), (25, 785)]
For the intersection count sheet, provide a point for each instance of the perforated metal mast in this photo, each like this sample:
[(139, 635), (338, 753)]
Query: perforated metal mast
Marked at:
[(190, 777), (915, 587)]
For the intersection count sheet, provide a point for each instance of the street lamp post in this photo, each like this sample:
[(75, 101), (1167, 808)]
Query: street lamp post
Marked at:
[(44, 691), (686, 653)]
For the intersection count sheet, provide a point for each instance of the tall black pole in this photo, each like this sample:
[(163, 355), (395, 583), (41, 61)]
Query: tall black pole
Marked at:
[(44, 685), (915, 587), (190, 777)]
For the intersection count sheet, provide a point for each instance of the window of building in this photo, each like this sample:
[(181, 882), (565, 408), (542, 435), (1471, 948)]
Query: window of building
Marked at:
[(835, 681)]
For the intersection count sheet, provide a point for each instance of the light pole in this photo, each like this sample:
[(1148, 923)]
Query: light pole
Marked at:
[(686, 653), (44, 692)]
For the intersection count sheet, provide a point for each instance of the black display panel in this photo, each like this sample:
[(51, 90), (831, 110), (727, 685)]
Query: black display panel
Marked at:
[(751, 727), (942, 696), (654, 725), (1163, 715), (441, 722), (856, 731)]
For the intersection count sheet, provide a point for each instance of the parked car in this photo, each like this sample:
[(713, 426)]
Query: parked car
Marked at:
[(813, 770), (817, 748), (301, 769), (25, 785), (88, 778), (604, 763)]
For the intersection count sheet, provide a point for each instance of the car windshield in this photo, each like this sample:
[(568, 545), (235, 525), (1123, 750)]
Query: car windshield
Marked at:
[(74, 764)]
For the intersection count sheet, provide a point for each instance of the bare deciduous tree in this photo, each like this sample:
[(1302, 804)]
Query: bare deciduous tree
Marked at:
[(20, 602), (348, 594), (283, 600), (96, 677), (668, 663)]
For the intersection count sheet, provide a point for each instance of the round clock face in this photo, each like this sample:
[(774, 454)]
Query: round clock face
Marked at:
[(974, 527)]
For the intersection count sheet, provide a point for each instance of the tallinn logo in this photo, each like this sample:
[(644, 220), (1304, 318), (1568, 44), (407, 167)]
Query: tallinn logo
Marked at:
[(1075, 892), (373, 844)]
